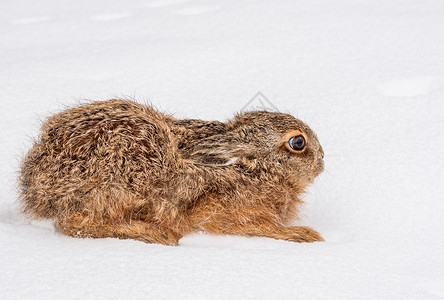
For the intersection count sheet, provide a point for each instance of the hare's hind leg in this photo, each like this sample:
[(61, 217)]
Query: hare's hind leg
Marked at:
[(81, 226)]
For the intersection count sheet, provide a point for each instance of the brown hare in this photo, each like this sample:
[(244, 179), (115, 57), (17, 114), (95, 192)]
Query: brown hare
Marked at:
[(121, 169)]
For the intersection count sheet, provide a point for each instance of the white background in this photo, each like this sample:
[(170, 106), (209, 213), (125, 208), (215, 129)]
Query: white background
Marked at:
[(366, 75)]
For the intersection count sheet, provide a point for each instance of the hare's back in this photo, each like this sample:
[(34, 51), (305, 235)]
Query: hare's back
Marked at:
[(106, 129)]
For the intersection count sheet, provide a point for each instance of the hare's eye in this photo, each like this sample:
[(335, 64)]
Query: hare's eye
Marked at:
[(297, 143)]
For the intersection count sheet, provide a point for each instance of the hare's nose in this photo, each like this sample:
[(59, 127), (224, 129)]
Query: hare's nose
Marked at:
[(321, 151)]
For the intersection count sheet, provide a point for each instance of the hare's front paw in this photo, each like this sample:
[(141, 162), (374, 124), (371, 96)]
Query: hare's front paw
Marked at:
[(300, 234)]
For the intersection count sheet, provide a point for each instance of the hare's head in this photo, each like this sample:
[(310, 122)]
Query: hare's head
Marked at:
[(275, 142), (281, 140)]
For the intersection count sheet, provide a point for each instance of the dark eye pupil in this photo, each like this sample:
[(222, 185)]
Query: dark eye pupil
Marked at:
[(297, 142)]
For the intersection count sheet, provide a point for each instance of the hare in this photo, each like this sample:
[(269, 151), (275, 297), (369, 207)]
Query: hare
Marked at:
[(121, 169)]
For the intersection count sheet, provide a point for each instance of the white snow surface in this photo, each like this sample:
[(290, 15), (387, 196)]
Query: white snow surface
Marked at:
[(366, 75)]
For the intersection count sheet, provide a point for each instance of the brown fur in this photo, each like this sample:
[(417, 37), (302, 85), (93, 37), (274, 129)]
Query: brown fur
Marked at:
[(121, 169)]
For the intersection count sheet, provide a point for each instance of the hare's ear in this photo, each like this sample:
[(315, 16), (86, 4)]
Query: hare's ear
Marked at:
[(219, 150)]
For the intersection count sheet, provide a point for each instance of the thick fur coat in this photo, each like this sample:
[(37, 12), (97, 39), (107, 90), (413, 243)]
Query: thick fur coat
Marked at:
[(121, 169)]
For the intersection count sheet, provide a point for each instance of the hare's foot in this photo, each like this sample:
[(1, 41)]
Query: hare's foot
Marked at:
[(299, 234), (80, 226)]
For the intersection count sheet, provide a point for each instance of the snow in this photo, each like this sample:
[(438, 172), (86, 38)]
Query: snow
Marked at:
[(367, 75)]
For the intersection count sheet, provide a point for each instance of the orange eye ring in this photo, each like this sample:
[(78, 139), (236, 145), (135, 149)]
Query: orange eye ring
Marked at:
[(294, 141)]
